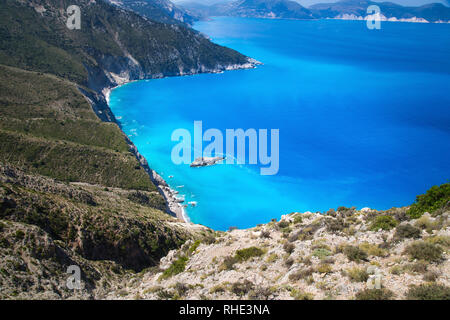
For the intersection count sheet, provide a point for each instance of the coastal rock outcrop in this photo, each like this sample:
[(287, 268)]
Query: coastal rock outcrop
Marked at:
[(206, 161)]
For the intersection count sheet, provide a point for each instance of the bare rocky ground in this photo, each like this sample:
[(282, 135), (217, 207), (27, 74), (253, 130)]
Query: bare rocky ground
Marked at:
[(46, 226), (308, 256)]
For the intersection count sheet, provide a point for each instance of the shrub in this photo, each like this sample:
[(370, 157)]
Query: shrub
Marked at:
[(306, 261), (265, 234), (321, 253), (247, 253), (272, 257), (324, 268), (418, 267), (384, 222), (352, 220), (306, 233), (241, 288), (399, 214), (228, 263), (283, 224), (357, 275), (407, 231), (397, 270), (288, 247), (260, 293), (20, 234), (240, 256), (294, 236), (440, 240), (218, 288), (301, 295), (346, 212), (176, 267), (336, 224), (181, 288), (425, 223), (328, 260), (194, 246), (289, 262), (166, 295), (354, 253), (339, 248), (4, 243), (298, 219), (424, 251), (374, 294), (372, 249), (429, 291), (431, 276), (301, 274), (319, 244), (434, 199)]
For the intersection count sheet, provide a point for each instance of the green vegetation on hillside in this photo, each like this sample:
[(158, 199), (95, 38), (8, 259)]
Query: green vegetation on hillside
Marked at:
[(103, 205), (47, 127), (384, 222), (435, 199), (108, 35)]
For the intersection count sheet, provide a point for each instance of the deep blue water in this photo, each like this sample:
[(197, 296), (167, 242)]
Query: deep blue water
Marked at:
[(364, 117)]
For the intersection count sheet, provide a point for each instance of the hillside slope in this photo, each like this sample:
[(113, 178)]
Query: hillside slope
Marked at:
[(47, 225), (309, 256), (47, 127), (102, 212)]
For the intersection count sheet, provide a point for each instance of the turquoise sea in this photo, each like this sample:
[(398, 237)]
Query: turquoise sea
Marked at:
[(363, 116)]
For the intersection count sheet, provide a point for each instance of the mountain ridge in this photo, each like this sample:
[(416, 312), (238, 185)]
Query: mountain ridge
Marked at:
[(435, 12), (158, 10), (345, 9)]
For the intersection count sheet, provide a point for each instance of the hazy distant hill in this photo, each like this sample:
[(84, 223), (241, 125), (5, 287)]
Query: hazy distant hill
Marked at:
[(347, 9), (430, 12), (253, 8), (158, 10)]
